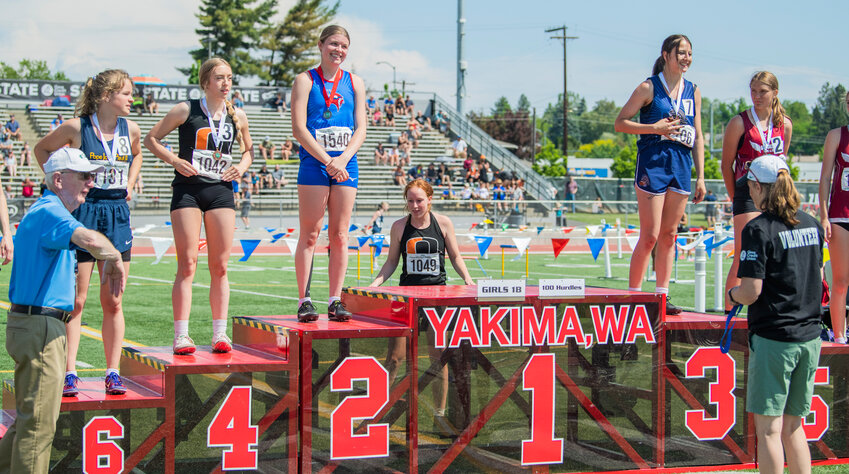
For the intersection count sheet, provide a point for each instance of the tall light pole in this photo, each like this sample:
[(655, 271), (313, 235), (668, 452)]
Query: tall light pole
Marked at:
[(394, 82), (563, 38), (461, 63)]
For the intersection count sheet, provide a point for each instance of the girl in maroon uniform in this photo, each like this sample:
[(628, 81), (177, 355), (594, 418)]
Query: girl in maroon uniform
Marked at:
[(834, 213), (762, 130)]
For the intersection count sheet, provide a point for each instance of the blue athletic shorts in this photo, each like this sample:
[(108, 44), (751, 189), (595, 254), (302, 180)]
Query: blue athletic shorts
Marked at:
[(111, 217), (664, 167), (313, 172)]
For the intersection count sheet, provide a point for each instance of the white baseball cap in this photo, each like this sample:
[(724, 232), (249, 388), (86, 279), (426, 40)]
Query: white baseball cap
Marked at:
[(71, 159), (764, 169)]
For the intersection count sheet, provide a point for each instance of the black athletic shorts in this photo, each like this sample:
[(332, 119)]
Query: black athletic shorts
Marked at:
[(742, 203), (203, 196), (83, 256)]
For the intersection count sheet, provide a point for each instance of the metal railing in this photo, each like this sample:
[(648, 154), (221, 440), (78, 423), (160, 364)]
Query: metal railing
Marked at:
[(537, 186)]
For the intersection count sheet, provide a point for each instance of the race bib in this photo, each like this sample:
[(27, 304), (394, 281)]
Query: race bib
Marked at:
[(686, 136), (423, 264), (208, 166), (844, 180), (113, 176), (333, 138)]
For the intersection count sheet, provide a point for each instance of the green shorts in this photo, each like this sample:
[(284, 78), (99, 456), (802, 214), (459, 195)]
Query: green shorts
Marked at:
[(781, 376)]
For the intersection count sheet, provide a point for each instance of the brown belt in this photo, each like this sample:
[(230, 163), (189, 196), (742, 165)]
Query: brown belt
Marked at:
[(57, 313)]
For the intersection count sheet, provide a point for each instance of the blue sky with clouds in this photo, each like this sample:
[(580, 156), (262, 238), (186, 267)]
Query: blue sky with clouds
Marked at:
[(507, 49)]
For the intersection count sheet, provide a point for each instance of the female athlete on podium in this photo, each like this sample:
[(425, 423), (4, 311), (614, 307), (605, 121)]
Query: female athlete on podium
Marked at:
[(329, 121), (670, 130), (421, 241)]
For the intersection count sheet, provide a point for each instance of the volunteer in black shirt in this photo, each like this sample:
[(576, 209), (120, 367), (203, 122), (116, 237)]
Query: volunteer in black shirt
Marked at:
[(780, 264), (421, 240)]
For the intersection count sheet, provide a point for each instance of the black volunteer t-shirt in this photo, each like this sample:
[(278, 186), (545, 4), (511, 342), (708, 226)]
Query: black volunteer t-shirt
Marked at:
[(788, 260)]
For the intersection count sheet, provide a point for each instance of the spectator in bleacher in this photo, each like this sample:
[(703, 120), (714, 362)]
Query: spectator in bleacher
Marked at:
[(279, 177), (265, 179), (467, 164), (389, 119), (392, 156), (280, 104), (266, 148), (10, 163), (26, 154), (423, 121), (56, 122), (107, 139), (204, 195), (238, 101), (329, 173), (400, 109), (466, 194), (519, 195), (431, 175), (448, 192), (388, 104), (412, 133), (13, 127), (138, 102), (255, 182), (379, 155), (61, 101), (376, 221), (27, 187), (371, 105), (377, 118), (459, 147), (6, 147), (409, 106), (7, 191), (499, 193), (415, 172), (398, 176), (423, 237), (482, 191), (484, 171), (443, 175), (150, 104), (405, 150), (287, 149), (441, 122), (473, 175)]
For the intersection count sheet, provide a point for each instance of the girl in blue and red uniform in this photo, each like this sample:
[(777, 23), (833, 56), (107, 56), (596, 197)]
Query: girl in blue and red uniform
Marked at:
[(329, 122), (762, 130), (670, 142), (108, 139), (834, 214)]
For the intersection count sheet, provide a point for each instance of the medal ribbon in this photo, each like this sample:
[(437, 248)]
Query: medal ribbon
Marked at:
[(111, 153), (336, 80), (216, 136), (766, 136), (677, 104)]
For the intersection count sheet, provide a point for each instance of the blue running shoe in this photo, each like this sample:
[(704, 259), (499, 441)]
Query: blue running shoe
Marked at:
[(70, 389), (114, 385)]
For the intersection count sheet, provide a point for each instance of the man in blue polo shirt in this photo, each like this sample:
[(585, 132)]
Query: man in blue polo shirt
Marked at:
[(13, 127), (41, 292)]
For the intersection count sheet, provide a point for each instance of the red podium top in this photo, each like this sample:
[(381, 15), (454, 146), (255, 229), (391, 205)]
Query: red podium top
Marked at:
[(468, 295)]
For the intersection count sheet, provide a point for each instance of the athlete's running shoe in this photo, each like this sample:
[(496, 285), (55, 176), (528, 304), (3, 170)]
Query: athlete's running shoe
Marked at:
[(70, 389), (114, 385), (307, 312), (221, 343), (184, 345), (337, 312), (671, 309)]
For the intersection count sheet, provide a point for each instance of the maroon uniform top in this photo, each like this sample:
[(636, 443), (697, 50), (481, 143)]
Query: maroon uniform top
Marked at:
[(751, 144), (838, 203)]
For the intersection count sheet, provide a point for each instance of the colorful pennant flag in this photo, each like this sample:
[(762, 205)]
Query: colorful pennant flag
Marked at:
[(362, 240), (483, 243), (632, 241), (521, 243), (160, 246), (353, 228), (474, 224), (292, 244), (504, 227), (558, 245), (201, 244), (378, 243), (595, 246), (248, 247), (270, 230), (566, 230), (539, 229), (278, 236)]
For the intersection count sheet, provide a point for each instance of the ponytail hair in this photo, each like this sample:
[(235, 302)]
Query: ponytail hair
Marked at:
[(768, 79), (204, 75), (669, 46), (781, 198), (98, 89), (333, 30)]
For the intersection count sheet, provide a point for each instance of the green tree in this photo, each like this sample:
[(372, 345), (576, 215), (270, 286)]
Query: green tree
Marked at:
[(830, 111), (291, 44), (550, 161), (802, 142), (502, 106), (523, 103), (231, 29), (602, 148), (598, 120), (712, 170), (625, 163), (32, 69), (553, 117)]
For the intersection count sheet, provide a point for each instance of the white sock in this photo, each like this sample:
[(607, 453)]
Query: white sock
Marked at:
[(840, 340), (112, 371), (181, 327), (332, 299), (661, 290), (635, 289), (219, 326), (303, 300), (439, 412), (71, 372)]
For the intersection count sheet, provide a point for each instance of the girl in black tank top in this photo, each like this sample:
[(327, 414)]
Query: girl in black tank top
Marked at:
[(422, 254)]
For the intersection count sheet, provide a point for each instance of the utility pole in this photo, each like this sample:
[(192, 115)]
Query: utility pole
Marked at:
[(461, 63), (564, 38), (534, 138), (208, 45)]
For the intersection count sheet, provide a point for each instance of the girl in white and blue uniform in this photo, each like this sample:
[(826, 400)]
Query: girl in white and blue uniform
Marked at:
[(107, 139), (329, 121), (670, 141)]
